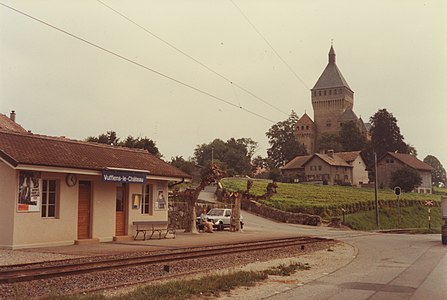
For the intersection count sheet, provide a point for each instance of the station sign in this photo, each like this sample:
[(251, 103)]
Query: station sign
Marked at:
[(123, 177)]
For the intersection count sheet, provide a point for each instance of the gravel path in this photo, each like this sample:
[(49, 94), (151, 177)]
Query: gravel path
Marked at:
[(12, 257)]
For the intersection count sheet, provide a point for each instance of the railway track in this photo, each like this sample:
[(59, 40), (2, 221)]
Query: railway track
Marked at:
[(28, 272)]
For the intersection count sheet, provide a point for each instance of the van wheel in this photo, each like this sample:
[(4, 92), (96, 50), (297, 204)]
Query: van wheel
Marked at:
[(242, 225)]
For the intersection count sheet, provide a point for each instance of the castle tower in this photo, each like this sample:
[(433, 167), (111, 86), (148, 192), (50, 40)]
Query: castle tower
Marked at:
[(331, 96), (305, 133)]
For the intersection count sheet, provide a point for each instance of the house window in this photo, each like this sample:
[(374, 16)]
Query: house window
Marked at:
[(319, 168), (147, 202), (330, 92), (319, 93), (49, 198), (335, 92), (307, 127), (325, 92)]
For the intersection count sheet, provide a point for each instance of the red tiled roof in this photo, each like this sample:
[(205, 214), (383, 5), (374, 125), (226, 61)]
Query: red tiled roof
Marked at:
[(411, 161), (335, 160), (32, 149), (297, 163), (348, 156), (8, 124)]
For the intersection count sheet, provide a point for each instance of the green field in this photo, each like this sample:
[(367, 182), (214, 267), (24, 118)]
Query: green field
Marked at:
[(327, 201)]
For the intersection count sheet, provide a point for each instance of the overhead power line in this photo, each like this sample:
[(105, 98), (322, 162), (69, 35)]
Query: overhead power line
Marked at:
[(270, 45), (136, 63), (190, 57)]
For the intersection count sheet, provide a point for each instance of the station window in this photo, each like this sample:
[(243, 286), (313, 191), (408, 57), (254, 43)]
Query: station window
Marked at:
[(147, 201), (49, 198)]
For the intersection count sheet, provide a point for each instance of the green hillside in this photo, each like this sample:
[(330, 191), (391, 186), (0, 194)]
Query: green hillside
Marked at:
[(327, 201)]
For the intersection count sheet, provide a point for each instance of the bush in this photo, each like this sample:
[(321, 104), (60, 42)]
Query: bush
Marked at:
[(405, 178)]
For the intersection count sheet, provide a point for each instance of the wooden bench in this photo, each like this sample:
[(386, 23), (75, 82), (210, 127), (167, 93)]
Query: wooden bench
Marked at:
[(162, 227)]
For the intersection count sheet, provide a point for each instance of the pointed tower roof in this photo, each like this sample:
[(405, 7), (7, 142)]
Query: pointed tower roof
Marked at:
[(331, 76), (348, 115), (305, 119)]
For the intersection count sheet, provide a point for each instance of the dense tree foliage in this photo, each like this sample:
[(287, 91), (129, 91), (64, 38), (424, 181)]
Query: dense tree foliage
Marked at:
[(284, 145), (438, 175), (110, 138), (351, 138), (385, 134), (233, 156), (406, 178), (186, 166), (329, 141)]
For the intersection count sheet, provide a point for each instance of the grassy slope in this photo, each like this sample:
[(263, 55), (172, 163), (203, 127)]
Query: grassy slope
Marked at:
[(328, 201)]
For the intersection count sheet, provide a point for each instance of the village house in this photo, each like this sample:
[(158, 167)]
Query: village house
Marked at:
[(57, 191), (343, 168), (391, 162)]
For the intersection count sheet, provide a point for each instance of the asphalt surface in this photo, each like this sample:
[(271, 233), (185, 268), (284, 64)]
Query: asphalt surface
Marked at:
[(387, 266)]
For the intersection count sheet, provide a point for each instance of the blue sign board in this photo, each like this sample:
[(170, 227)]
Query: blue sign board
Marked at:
[(123, 177)]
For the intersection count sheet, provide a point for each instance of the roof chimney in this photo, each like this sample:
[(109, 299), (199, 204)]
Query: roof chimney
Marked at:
[(330, 153), (12, 116)]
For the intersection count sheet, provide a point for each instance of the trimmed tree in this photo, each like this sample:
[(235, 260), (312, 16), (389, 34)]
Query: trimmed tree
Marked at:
[(406, 178)]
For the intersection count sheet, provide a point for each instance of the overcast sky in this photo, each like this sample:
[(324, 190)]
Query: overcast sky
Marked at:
[(393, 55)]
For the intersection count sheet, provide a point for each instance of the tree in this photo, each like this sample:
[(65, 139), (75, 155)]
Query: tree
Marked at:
[(351, 138), (110, 138), (284, 144), (233, 155), (141, 143), (211, 174), (329, 141), (406, 178), (385, 134), (186, 166), (438, 175)]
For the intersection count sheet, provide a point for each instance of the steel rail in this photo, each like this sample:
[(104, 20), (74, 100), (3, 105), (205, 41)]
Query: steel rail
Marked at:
[(40, 272)]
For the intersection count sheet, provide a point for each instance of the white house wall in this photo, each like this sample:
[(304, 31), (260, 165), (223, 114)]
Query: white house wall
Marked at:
[(359, 173), (8, 191), (29, 229)]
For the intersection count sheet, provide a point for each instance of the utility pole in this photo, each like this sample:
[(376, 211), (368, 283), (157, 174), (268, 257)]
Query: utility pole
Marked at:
[(376, 187), (212, 156)]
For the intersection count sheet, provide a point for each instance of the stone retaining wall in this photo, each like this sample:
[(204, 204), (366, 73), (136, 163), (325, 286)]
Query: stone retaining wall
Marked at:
[(279, 215)]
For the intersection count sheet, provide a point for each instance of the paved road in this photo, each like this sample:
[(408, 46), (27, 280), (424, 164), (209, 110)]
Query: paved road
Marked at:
[(387, 266)]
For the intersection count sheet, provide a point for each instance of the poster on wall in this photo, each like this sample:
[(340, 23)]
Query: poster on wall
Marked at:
[(136, 199), (160, 203), (29, 191)]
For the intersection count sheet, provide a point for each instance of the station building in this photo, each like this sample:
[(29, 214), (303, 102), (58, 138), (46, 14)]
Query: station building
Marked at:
[(57, 191)]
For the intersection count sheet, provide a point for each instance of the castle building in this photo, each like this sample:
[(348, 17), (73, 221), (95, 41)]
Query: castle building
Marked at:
[(332, 102)]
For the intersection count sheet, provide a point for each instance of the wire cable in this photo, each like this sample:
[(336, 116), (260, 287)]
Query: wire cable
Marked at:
[(190, 57), (270, 45), (136, 63)]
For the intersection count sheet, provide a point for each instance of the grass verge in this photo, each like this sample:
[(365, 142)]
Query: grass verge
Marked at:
[(410, 217), (208, 286)]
